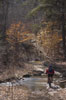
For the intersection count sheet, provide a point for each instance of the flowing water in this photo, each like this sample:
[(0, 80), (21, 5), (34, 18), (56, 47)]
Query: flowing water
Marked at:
[(33, 83)]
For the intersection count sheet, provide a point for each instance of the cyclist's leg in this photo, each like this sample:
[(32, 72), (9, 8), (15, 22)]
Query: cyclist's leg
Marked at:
[(49, 81)]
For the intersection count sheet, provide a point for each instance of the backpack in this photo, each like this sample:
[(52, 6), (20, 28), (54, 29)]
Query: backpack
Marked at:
[(50, 70)]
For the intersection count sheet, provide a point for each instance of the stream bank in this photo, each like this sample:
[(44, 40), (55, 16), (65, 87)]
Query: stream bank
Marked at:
[(34, 87)]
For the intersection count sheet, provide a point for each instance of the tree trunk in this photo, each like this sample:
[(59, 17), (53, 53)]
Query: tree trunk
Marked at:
[(63, 30), (4, 35)]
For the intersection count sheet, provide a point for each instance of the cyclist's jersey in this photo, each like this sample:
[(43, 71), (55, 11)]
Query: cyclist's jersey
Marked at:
[(50, 71)]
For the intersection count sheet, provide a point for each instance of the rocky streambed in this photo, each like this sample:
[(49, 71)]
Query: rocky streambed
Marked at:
[(33, 86)]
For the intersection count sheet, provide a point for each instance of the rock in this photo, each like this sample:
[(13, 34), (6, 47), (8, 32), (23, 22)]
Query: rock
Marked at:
[(52, 93), (40, 69), (27, 76), (37, 73), (64, 74), (46, 63), (57, 73)]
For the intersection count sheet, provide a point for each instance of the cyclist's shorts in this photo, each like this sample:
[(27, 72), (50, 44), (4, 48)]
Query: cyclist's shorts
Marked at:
[(50, 75)]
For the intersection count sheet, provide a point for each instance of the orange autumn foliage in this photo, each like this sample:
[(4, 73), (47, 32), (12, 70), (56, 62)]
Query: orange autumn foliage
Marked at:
[(18, 33)]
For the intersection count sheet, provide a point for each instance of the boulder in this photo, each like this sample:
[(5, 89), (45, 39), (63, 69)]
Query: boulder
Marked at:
[(37, 72), (57, 73), (64, 74), (27, 76)]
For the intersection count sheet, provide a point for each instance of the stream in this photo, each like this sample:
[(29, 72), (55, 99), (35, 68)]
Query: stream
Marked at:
[(34, 83)]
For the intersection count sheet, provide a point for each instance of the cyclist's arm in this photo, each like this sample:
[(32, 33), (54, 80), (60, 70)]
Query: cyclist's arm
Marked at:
[(47, 71)]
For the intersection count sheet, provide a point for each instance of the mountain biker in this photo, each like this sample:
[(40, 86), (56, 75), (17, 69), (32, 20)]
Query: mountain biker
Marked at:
[(50, 73)]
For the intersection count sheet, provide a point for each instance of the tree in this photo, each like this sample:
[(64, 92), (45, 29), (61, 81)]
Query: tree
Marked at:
[(54, 10), (63, 26), (18, 34), (5, 6)]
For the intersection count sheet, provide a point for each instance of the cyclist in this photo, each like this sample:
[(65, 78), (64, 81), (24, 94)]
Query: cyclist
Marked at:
[(50, 73)]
